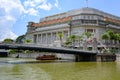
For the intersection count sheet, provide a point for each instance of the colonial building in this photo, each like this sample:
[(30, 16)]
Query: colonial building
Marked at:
[(71, 22)]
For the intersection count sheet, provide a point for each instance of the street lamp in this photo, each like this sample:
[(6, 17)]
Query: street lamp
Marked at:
[(107, 26), (70, 27)]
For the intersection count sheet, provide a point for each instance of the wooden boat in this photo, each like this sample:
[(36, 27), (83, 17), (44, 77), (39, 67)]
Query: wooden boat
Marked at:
[(47, 57)]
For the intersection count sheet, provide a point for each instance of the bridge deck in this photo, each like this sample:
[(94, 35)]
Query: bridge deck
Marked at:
[(46, 49)]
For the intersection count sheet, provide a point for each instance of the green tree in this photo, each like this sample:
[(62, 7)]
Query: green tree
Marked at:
[(71, 40), (73, 37), (105, 36), (12, 51), (79, 38), (111, 37), (20, 39), (111, 34), (8, 40), (60, 35), (87, 34), (27, 41)]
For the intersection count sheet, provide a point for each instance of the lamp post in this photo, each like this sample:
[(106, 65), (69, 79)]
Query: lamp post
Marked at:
[(70, 27), (107, 26)]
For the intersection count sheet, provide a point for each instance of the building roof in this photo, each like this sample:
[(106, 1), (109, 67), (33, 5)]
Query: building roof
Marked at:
[(54, 21), (67, 16)]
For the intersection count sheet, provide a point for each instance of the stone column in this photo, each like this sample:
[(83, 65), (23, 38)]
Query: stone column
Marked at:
[(36, 41), (38, 38), (41, 38), (51, 41), (56, 35), (63, 36), (68, 33), (46, 39), (118, 57), (98, 58)]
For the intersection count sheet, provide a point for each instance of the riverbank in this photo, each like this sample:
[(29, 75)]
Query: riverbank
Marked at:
[(34, 55), (98, 57)]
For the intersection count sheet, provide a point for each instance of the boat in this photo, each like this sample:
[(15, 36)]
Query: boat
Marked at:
[(47, 57)]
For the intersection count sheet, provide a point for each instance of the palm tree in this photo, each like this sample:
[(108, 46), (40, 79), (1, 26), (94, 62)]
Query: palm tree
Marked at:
[(79, 38), (71, 40), (87, 34), (60, 35)]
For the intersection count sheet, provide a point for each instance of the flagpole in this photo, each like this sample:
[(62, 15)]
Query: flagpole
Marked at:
[(87, 3)]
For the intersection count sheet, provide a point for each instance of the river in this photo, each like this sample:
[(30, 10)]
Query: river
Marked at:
[(12, 69)]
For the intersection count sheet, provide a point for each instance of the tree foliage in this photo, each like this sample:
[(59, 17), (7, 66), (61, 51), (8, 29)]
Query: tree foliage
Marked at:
[(27, 41), (105, 36), (60, 35), (8, 40), (87, 34), (20, 39), (110, 35)]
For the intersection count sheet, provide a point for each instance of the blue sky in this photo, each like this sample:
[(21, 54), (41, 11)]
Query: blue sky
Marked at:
[(15, 14)]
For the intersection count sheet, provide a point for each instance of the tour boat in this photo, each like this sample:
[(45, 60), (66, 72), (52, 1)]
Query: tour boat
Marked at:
[(47, 57)]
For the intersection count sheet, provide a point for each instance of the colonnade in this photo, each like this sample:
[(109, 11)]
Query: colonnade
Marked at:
[(49, 37)]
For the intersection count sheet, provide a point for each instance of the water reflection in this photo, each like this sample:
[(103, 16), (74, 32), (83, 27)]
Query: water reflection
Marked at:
[(60, 71), (23, 72)]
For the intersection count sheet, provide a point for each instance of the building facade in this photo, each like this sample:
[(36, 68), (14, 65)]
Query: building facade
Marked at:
[(74, 22)]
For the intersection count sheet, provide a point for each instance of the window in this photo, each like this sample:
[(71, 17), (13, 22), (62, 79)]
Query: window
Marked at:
[(89, 22), (92, 31)]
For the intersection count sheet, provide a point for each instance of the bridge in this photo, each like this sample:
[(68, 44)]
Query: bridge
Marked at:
[(80, 54)]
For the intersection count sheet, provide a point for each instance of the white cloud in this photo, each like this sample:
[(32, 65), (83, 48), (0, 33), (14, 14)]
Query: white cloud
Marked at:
[(6, 26), (41, 4), (56, 3), (32, 11), (11, 10), (29, 3), (45, 6), (9, 5)]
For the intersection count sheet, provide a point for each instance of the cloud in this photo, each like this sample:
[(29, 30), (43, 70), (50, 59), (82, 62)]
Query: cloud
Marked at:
[(32, 12), (29, 3), (11, 10), (41, 4), (45, 6), (56, 3), (6, 24)]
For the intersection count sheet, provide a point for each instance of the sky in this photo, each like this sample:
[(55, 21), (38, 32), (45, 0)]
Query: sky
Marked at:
[(15, 14)]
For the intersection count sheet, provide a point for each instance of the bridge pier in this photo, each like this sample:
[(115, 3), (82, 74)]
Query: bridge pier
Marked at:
[(3, 53), (105, 57), (79, 58)]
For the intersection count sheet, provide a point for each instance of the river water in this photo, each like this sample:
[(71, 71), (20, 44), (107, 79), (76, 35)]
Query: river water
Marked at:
[(16, 69)]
